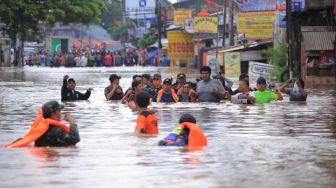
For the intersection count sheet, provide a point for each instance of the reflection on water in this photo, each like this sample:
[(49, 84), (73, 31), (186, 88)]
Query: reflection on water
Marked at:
[(281, 144)]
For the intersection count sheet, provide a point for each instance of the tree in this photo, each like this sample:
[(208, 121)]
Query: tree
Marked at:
[(25, 17), (112, 21), (146, 41), (277, 56)]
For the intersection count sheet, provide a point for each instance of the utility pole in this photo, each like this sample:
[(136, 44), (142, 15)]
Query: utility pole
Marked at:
[(224, 23), (231, 24), (123, 12), (158, 11), (289, 37), (197, 6)]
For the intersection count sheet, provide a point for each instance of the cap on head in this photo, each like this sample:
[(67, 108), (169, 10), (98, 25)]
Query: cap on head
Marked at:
[(114, 77), (261, 80), (181, 75), (71, 80), (187, 118), (50, 107), (157, 77), (167, 81)]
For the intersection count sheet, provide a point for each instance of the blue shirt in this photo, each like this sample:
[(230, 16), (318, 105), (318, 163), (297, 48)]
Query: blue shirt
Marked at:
[(165, 62), (166, 97)]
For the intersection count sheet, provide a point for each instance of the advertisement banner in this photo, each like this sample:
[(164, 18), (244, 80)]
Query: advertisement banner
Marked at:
[(189, 25), (180, 46), (257, 69), (140, 9), (206, 24), (181, 15), (256, 25), (55, 45), (232, 64), (258, 5)]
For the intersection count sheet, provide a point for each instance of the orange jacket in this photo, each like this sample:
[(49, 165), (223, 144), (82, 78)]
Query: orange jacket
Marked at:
[(196, 136), (39, 127), (148, 122), (172, 92)]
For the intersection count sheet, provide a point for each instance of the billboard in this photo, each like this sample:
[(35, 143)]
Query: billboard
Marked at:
[(258, 5), (60, 45), (257, 69), (181, 15), (140, 9), (189, 25), (180, 46), (206, 24), (256, 25), (232, 64)]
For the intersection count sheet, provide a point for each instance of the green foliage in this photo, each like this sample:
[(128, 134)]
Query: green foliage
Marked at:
[(120, 33), (146, 41), (112, 18), (24, 17), (277, 57)]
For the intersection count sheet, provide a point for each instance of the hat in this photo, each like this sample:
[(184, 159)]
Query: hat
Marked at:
[(187, 118), (71, 80), (50, 107), (181, 75), (261, 80), (167, 80), (157, 76), (114, 77)]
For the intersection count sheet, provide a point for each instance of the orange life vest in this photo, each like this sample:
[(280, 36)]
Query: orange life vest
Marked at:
[(39, 127), (172, 92), (196, 136), (148, 122)]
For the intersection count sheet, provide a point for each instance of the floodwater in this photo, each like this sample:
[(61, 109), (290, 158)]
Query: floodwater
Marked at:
[(281, 144)]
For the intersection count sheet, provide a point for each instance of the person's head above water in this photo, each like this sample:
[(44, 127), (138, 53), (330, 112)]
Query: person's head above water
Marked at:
[(71, 84), (142, 99), (205, 72), (187, 118), (52, 109)]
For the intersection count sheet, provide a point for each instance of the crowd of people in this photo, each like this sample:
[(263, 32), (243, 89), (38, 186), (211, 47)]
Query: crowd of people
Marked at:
[(97, 58), (48, 131)]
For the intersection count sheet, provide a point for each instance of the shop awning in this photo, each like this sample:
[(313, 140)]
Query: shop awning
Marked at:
[(318, 38)]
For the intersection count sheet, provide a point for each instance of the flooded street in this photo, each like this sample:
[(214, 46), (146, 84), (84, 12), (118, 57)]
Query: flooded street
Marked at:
[(281, 144)]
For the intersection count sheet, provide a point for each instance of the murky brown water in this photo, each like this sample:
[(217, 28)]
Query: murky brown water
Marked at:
[(275, 145)]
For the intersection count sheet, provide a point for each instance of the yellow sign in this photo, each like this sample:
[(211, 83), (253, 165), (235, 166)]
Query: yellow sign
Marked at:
[(256, 25), (206, 24), (181, 15), (180, 46), (232, 64)]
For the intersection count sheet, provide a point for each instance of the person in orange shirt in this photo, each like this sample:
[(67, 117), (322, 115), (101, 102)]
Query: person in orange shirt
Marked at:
[(146, 121), (62, 60)]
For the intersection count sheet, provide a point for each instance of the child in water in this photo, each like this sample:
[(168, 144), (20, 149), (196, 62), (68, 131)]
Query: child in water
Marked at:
[(146, 121), (186, 134)]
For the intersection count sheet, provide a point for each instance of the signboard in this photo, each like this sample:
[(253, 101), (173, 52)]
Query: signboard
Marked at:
[(181, 15), (180, 47), (232, 64), (189, 25), (297, 5), (140, 9), (257, 69), (258, 5), (256, 25), (55, 45), (206, 24)]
